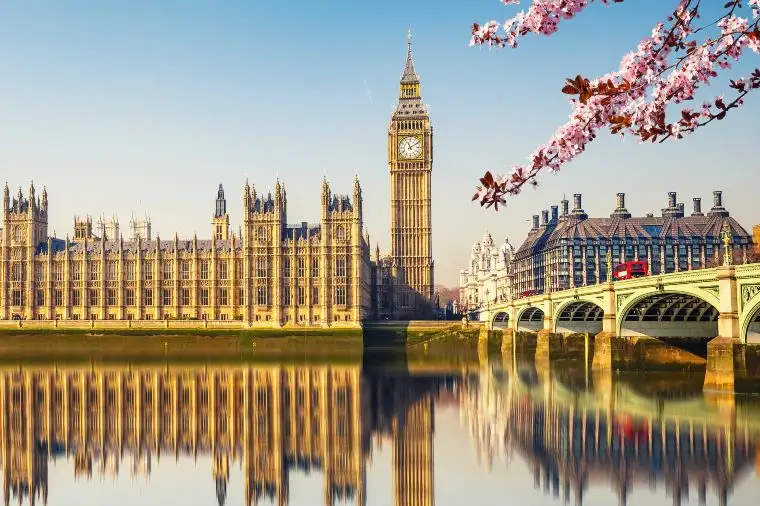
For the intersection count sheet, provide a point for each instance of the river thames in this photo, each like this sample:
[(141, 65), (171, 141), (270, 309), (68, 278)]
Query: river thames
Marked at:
[(484, 431)]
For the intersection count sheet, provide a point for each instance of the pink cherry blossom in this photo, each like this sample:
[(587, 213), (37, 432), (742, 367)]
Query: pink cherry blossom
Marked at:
[(667, 68)]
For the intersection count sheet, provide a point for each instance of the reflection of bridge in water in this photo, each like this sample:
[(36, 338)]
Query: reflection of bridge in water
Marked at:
[(272, 419), (571, 440)]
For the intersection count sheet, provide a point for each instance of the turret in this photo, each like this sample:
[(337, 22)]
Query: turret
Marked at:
[(325, 198), (246, 198), (220, 224), (357, 199), (221, 203), (32, 198), (82, 228)]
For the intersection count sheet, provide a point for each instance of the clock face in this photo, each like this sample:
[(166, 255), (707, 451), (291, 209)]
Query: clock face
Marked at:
[(410, 147)]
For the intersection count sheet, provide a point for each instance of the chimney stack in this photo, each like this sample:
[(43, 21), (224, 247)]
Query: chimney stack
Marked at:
[(620, 201), (577, 207), (544, 218), (565, 207), (697, 207), (620, 210), (717, 199), (717, 208), (555, 214), (535, 221), (681, 209), (672, 209)]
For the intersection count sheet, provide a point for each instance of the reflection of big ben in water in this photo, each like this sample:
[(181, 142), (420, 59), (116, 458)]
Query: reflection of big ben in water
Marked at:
[(410, 161), (413, 454)]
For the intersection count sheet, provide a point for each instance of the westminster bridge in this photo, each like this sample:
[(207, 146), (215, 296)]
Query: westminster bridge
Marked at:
[(720, 304), (270, 419), (572, 437), (721, 301)]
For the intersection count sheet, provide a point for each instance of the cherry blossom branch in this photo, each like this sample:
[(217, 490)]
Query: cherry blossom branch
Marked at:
[(619, 100)]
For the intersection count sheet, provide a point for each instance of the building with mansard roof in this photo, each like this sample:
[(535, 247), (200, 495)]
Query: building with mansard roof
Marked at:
[(568, 249), (271, 273)]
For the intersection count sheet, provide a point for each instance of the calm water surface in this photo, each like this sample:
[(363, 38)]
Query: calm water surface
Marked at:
[(492, 433)]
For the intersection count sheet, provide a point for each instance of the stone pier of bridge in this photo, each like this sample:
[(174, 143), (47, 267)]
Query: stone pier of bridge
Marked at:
[(543, 330)]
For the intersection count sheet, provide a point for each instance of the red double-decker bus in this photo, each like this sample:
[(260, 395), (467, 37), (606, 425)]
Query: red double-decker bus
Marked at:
[(630, 270)]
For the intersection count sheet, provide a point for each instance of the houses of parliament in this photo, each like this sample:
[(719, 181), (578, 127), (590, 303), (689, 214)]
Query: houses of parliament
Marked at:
[(271, 273)]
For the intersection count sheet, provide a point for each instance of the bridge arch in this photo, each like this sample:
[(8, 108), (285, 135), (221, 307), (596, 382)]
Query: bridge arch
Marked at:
[(669, 313), (530, 319), (500, 320), (749, 325), (578, 316)]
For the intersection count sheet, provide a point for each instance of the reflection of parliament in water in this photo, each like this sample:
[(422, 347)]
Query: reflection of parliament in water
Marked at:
[(569, 446), (271, 419)]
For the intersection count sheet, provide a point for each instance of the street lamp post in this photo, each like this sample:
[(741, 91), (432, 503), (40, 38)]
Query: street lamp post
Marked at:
[(726, 236), (488, 305)]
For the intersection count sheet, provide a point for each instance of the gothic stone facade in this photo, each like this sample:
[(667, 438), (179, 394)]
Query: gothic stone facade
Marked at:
[(404, 278), (271, 274)]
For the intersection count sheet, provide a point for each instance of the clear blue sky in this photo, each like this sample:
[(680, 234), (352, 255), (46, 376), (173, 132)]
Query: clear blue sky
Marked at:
[(147, 106)]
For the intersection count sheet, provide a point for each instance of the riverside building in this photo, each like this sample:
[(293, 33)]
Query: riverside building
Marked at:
[(568, 249), (488, 278), (271, 273)]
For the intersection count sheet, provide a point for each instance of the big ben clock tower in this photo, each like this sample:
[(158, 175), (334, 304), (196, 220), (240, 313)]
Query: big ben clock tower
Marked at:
[(410, 162)]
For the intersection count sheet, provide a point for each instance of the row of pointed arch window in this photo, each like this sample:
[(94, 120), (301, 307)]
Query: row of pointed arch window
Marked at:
[(290, 295), (19, 272), (262, 234)]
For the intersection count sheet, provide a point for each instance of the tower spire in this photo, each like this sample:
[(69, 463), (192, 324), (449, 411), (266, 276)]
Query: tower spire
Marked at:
[(409, 99), (221, 203), (410, 75)]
